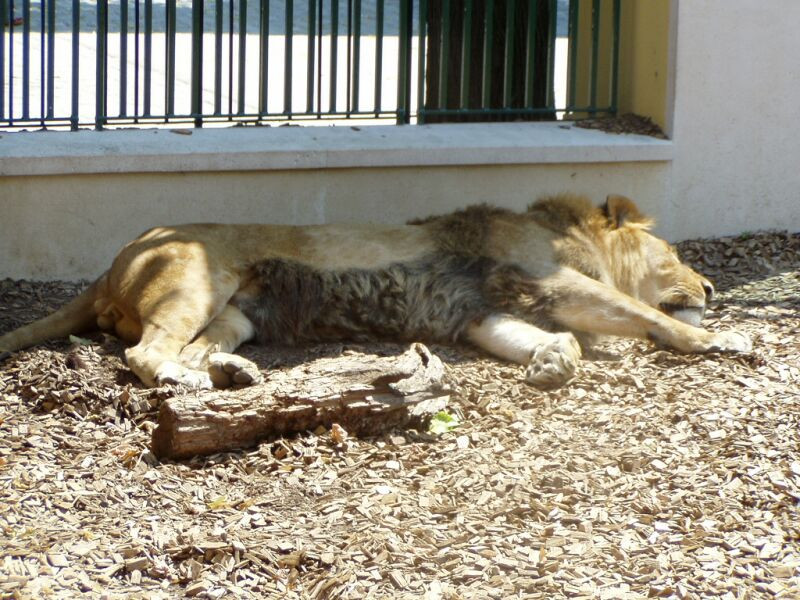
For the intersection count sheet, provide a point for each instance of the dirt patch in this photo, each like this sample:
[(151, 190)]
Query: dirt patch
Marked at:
[(651, 475)]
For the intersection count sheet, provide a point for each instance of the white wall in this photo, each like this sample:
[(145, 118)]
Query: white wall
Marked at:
[(736, 135), (71, 227)]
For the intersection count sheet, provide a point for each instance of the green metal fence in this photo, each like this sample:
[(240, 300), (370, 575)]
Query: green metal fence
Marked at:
[(103, 63)]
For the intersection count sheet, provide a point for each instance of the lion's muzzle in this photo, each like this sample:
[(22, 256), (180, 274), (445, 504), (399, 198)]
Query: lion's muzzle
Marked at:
[(691, 315)]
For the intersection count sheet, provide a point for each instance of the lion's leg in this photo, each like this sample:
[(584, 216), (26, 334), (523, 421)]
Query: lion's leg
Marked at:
[(551, 358), (212, 349), (584, 304), (169, 323), (155, 359)]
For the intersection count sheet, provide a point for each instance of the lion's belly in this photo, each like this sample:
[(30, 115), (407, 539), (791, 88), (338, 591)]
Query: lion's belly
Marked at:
[(430, 299)]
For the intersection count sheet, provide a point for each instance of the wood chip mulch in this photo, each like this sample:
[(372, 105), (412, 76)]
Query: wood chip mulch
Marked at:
[(652, 475), (627, 123)]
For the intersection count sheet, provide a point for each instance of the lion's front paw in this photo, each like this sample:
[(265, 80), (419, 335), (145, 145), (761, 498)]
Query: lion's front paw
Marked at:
[(227, 370), (730, 341), (554, 361)]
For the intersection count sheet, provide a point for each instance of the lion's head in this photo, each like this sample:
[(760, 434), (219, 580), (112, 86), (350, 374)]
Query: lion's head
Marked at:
[(613, 244), (660, 280)]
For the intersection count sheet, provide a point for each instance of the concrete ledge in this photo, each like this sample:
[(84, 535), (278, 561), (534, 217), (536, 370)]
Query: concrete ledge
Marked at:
[(287, 148)]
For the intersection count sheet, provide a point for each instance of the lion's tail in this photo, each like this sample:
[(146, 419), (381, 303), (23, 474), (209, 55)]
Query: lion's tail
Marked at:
[(74, 317)]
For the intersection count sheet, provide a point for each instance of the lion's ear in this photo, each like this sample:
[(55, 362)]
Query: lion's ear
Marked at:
[(621, 209)]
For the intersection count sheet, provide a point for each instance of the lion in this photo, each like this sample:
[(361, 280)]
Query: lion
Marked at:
[(533, 288)]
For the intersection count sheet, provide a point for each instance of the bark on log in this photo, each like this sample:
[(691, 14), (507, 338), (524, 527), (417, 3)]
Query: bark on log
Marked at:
[(365, 394)]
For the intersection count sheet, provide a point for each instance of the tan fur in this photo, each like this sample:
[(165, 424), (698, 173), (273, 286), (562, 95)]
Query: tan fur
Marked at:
[(561, 266)]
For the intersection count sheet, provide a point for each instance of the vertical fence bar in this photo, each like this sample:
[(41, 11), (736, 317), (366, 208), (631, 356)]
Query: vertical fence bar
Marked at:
[(334, 53), (573, 54), (100, 64), (218, 14), (11, 62), (311, 55), (136, 53), (551, 54), (319, 59), (76, 65), (615, 60), (51, 57), (444, 54), (148, 55), (402, 61), (242, 53), (169, 84), (356, 74), (26, 58), (230, 56), (42, 62), (263, 58), (595, 56), (287, 58), (197, 62), (348, 80), (422, 33), (51, 28), (466, 54), (3, 13), (404, 58), (379, 15), (508, 58), (123, 57), (488, 39), (530, 51)]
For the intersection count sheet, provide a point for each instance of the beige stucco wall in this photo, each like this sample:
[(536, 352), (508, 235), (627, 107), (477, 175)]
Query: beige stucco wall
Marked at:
[(736, 127), (722, 78), (644, 58), (644, 52), (71, 226)]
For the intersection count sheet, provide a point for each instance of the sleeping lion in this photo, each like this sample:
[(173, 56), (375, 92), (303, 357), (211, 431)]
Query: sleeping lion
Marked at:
[(523, 287)]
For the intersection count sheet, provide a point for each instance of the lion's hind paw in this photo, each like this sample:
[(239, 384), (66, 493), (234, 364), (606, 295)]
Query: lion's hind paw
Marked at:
[(227, 370), (554, 362)]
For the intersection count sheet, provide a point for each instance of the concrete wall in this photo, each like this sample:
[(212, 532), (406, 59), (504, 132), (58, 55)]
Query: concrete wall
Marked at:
[(645, 58), (736, 126), (70, 226)]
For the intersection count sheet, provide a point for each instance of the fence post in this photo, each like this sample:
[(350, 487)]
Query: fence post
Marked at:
[(51, 57), (26, 59), (3, 15), (422, 25), (242, 53), (169, 97), (148, 56), (404, 62), (100, 64), (263, 59), (197, 62), (379, 13)]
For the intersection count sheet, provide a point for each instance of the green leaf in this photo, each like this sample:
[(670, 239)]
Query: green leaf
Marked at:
[(442, 422), (79, 340), (218, 503)]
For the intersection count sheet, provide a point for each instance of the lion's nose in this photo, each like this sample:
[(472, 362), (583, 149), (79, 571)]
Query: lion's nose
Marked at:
[(708, 289)]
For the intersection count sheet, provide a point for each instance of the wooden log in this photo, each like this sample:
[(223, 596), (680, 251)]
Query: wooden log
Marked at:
[(364, 393)]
